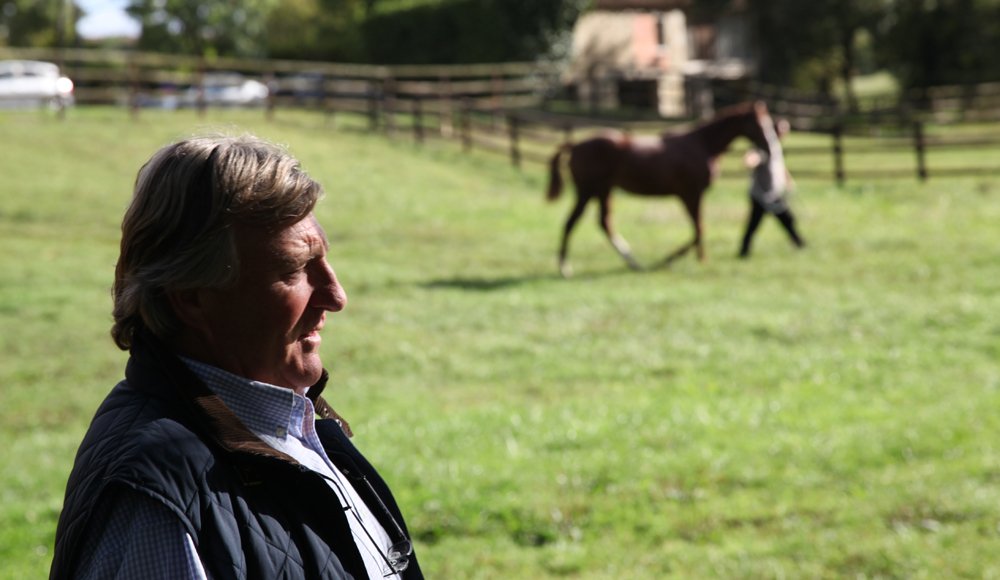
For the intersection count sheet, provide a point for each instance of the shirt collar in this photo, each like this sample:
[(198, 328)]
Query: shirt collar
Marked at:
[(262, 407)]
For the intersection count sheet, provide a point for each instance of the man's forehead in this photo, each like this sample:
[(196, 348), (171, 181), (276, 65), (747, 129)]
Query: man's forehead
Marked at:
[(307, 230), (306, 235)]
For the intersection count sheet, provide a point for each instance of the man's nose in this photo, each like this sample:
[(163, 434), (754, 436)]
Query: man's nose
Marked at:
[(328, 294)]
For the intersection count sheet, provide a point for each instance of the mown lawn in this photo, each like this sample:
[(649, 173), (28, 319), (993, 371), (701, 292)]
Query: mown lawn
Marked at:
[(824, 413)]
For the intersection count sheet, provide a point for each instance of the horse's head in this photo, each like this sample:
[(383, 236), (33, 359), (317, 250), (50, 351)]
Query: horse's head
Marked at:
[(760, 127)]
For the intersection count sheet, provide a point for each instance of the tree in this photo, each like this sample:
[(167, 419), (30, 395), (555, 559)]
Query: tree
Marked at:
[(942, 42), (464, 31), (202, 27), (923, 43), (317, 30), (430, 33), (32, 23), (814, 42), (852, 17)]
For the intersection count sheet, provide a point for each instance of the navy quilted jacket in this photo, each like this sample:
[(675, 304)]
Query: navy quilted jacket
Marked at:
[(253, 512)]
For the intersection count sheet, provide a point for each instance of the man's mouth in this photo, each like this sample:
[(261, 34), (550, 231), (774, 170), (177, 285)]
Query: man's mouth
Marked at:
[(313, 332)]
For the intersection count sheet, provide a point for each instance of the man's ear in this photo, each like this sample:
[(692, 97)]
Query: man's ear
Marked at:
[(189, 307)]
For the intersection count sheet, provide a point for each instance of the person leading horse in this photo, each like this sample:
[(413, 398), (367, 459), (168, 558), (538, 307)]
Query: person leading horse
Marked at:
[(683, 165)]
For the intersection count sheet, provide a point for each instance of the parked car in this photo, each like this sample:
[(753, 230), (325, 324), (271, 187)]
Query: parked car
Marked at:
[(301, 86), (226, 89), (164, 96), (33, 83)]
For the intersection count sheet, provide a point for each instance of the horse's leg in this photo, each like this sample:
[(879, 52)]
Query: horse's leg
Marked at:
[(692, 203), (694, 210), (677, 253), (581, 204), (619, 243)]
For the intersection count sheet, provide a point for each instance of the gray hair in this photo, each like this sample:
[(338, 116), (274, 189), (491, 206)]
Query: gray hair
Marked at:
[(177, 233)]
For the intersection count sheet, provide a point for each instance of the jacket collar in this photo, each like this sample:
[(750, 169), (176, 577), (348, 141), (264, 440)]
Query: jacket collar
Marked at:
[(154, 369)]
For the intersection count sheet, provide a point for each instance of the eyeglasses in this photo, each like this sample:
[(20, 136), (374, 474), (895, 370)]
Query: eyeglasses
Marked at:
[(397, 557)]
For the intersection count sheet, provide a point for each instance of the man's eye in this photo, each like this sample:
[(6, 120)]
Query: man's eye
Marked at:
[(294, 273)]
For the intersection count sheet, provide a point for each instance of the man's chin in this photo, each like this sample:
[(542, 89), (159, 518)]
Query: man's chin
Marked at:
[(301, 377)]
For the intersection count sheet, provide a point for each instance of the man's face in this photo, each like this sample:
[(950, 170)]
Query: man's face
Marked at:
[(266, 327)]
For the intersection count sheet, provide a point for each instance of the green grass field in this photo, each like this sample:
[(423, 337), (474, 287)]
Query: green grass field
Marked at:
[(826, 413)]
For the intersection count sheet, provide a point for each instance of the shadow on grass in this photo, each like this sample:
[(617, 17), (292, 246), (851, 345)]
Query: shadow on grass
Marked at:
[(485, 284)]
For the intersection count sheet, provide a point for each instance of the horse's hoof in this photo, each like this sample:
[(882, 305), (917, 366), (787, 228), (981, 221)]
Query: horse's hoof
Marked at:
[(566, 271)]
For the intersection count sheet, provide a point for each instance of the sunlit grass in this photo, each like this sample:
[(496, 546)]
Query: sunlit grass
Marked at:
[(823, 413)]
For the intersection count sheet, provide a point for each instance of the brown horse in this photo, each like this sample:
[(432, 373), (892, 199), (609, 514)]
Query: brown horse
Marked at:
[(682, 165)]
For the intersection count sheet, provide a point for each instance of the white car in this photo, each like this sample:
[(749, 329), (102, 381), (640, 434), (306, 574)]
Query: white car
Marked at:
[(225, 88), (33, 83)]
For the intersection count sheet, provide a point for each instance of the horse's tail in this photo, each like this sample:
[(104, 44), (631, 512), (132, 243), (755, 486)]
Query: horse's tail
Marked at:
[(555, 175)]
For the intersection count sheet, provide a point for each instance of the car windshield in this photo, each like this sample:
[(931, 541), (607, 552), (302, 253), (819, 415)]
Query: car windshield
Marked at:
[(19, 68)]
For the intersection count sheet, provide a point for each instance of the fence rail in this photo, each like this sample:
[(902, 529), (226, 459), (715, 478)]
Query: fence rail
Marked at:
[(139, 79)]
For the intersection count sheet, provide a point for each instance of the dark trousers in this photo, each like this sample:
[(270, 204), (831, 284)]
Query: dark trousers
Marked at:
[(757, 212)]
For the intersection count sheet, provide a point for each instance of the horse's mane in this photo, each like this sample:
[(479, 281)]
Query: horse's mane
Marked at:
[(718, 131), (725, 113)]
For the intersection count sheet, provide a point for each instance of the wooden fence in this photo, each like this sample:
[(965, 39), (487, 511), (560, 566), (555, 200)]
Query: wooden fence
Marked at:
[(533, 136), (138, 80), (501, 108)]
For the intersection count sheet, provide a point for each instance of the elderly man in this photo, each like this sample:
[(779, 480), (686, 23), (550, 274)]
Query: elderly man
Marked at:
[(207, 461)]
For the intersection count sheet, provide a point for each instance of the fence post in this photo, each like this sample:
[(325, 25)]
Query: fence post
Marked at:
[(838, 154), (418, 122), (328, 99), (920, 145), (271, 81), (374, 90), (466, 125), (446, 116), (133, 93), (389, 106), (568, 133), (61, 63), (201, 104), (515, 153), (495, 88)]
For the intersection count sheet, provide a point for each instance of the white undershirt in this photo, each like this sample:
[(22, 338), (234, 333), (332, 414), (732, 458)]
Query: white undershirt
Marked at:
[(285, 421)]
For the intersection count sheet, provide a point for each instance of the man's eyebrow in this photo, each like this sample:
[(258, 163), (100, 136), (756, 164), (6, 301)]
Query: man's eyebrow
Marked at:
[(294, 254), (306, 252), (324, 244), (323, 238)]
